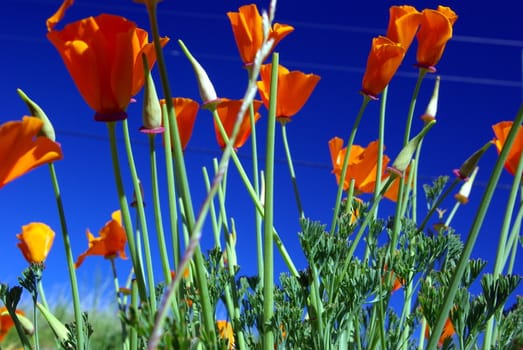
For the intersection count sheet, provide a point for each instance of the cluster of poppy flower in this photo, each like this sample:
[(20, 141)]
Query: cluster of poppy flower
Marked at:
[(103, 55)]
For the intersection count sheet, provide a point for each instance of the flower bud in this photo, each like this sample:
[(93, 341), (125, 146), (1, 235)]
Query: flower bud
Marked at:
[(58, 327), (35, 110), (470, 164), (432, 108), (463, 195), (403, 159), (207, 92), (36, 241), (151, 112)]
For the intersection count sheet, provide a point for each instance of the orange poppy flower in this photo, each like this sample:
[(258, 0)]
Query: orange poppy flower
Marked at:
[(103, 55), (448, 331), (36, 241), (403, 24), (435, 31), (225, 332), (186, 111), (294, 89), (362, 164), (21, 150), (248, 31), (6, 322), (110, 243), (228, 112), (501, 131), (384, 59)]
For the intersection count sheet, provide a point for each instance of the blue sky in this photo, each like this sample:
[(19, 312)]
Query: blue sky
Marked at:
[(481, 84)]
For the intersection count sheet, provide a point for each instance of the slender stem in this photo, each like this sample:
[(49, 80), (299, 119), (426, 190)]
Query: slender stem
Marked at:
[(126, 215), (158, 212), (171, 190), (503, 244), (291, 169), (183, 187), (421, 74), (268, 218), (381, 145), (474, 232), (452, 214), (141, 214), (257, 202), (70, 261), (350, 141), (256, 181), (512, 242), (133, 337), (121, 304)]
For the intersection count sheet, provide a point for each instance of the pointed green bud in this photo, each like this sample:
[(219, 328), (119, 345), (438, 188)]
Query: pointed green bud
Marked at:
[(432, 108), (470, 164), (463, 195), (207, 92), (35, 110), (58, 327), (151, 112), (403, 159)]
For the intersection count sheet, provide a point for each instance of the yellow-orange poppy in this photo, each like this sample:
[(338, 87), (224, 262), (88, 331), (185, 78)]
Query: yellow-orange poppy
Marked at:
[(248, 31), (225, 331), (435, 31), (186, 111), (111, 242), (228, 112), (294, 89), (384, 59), (103, 55), (6, 322), (36, 241), (362, 165), (448, 331), (404, 22), (21, 150), (501, 131)]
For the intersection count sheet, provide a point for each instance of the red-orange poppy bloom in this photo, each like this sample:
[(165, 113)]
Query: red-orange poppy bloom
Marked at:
[(226, 332), (362, 165), (403, 24), (186, 111), (435, 31), (21, 150), (228, 112), (103, 55), (384, 59), (501, 131), (111, 242), (248, 31), (294, 89), (6, 322), (36, 241), (448, 331)]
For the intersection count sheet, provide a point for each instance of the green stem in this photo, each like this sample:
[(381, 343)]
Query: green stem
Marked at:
[(70, 261), (160, 235), (185, 195), (126, 215), (381, 145), (421, 74), (291, 169), (268, 218), (350, 141), (171, 190), (512, 242), (257, 202), (256, 181), (141, 214), (121, 305), (503, 245), (474, 232)]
